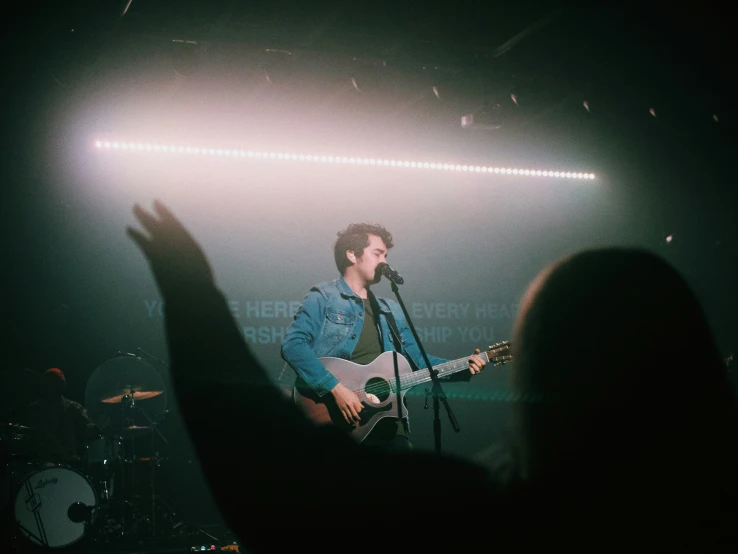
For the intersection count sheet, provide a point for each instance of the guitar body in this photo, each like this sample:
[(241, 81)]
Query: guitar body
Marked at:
[(377, 385), (373, 383)]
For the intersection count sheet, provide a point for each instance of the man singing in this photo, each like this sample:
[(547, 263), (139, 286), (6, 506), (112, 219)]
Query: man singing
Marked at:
[(344, 319)]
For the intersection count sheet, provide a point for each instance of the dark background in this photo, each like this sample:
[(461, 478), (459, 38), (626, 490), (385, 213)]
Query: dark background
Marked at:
[(278, 76)]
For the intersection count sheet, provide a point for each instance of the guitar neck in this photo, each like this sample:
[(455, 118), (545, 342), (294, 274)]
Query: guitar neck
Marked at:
[(421, 376)]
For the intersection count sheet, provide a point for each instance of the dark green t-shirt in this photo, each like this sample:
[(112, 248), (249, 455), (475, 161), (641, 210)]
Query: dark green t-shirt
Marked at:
[(368, 347), (366, 351)]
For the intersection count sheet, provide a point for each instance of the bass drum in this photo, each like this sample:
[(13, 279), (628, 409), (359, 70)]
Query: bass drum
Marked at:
[(55, 506)]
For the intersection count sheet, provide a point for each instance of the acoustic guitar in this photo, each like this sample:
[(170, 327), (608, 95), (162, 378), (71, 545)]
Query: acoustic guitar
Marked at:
[(381, 387)]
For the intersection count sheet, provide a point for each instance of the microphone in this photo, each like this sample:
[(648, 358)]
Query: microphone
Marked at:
[(390, 273)]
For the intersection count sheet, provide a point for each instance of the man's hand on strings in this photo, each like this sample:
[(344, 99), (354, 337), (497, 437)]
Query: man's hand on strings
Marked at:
[(348, 403), (476, 363)]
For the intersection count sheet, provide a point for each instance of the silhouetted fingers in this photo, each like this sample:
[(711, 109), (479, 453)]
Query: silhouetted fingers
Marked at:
[(165, 214), (139, 238), (147, 220)]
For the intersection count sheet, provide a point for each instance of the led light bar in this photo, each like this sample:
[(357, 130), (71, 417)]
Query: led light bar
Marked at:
[(170, 149)]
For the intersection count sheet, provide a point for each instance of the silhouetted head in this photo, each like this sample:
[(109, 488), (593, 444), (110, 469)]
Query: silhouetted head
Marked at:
[(627, 384), (53, 383)]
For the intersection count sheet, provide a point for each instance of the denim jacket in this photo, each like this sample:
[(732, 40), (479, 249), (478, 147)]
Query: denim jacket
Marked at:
[(328, 324)]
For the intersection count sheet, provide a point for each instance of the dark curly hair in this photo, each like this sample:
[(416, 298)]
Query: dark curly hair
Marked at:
[(355, 237)]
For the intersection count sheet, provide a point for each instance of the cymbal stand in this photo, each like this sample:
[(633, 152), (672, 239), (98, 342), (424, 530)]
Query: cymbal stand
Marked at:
[(153, 425), (129, 458), (128, 403), (154, 463)]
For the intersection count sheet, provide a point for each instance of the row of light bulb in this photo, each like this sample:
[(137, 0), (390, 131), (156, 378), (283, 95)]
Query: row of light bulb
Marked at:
[(147, 147)]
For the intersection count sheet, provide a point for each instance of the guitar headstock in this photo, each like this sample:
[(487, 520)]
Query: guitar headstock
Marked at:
[(500, 353)]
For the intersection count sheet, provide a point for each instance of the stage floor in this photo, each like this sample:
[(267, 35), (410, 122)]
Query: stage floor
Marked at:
[(205, 538)]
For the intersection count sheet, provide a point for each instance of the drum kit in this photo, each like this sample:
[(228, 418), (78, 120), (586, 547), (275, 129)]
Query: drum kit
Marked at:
[(106, 496)]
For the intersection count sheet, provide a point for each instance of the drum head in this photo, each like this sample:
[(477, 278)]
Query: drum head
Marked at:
[(127, 391), (54, 505)]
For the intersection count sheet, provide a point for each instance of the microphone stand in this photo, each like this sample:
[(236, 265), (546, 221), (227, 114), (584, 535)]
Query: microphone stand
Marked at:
[(436, 390)]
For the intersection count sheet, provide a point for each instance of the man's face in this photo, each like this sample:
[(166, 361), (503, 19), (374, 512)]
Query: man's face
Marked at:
[(373, 255)]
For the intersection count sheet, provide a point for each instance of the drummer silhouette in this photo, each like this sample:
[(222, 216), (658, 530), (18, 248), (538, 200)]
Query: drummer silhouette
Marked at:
[(61, 426)]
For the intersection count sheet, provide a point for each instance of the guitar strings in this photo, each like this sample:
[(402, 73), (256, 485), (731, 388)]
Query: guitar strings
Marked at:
[(417, 377), (410, 380), (406, 381)]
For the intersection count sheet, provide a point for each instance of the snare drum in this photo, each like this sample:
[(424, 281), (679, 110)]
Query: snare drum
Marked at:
[(55, 506)]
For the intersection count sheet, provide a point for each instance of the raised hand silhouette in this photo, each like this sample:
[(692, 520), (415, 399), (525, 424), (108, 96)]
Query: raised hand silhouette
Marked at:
[(175, 257)]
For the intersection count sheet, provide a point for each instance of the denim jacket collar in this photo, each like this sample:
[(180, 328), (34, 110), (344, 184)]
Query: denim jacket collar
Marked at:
[(346, 290)]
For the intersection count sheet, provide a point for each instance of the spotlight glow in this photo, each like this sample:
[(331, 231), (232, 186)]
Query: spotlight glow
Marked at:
[(316, 158)]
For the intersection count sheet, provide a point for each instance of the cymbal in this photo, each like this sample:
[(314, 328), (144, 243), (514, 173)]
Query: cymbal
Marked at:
[(136, 428), (130, 393), (14, 427), (146, 460), (115, 383)]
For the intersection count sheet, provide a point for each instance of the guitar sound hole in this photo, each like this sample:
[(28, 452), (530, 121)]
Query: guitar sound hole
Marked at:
[(379, 388)]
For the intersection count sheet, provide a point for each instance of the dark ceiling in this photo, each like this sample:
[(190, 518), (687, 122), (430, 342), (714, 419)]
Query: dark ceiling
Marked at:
[(542, 51), (656, 79)]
